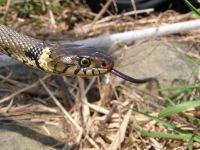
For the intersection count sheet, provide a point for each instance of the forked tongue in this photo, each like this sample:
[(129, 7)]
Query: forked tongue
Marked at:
[(127, 78)]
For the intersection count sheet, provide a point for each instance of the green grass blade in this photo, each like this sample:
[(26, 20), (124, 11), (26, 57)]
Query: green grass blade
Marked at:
[(179, 108), (192, 8), (167, 135), (162, 122), (184, 134), (190, 143)]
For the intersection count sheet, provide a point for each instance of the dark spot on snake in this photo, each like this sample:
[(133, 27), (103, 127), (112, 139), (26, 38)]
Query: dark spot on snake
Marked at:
[(65, 69), (38, 65), (55, 66), (6, 50), (35, 52), (24, 61), (77, 71), (99, 71), (9, 54), (55, 70), (93, 71), (84, 71)]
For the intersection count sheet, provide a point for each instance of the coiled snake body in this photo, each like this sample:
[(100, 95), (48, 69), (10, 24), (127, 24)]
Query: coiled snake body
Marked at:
[(65, 59)]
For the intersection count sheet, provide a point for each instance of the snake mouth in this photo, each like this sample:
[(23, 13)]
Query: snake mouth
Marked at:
[(130, 79)]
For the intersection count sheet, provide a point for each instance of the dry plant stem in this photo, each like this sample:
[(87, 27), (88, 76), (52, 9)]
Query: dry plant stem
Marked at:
[(119, 137), (98, 109), (65, 93), (9, 105), (103, 124), (107, 10), (85, 111), (22, 90), (46, 130), (156, 144), (7, 5), (102, 11), (16, 83), (105, 94), (134, 7), (67, 115), (26, 109), (102, 110), (52, 20), (92, 142), (6, 10), (89, 85), (108, 18)]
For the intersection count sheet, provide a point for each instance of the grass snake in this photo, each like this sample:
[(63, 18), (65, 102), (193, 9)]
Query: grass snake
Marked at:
[(57, 58)]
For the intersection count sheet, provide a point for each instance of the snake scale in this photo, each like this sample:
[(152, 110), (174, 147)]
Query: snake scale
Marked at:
[(57, 58)]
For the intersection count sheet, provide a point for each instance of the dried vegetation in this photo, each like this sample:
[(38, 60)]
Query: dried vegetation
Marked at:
[(95, 113)]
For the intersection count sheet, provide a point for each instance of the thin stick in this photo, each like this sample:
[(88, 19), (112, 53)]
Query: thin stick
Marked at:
[(108, 18), (22, 90), (134, 7), (120, 135), (16, 83), (67, 115), (85, 112), (102, 11)]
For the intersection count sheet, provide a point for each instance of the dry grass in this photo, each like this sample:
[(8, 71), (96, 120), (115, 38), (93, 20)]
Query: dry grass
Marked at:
[(95, 113)]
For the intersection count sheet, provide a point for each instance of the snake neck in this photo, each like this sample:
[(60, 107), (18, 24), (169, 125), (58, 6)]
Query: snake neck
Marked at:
[(23, 48)]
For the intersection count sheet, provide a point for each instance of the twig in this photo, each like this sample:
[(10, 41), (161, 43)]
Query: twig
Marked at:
[(22, 90), (92, 142), (67, 115), (102, 110), (89, 85), (6, 10), (103, 124), (119, 137), (102, 11), (108, 18), (134, 7), (52, 20), (85, 111), (16, 83)]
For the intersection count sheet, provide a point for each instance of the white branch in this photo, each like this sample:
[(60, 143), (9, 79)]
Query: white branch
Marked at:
[(131, 36)]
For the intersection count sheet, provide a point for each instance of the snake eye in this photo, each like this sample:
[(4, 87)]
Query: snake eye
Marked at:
[(84, 62)]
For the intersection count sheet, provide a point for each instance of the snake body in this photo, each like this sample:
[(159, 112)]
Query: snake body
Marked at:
[(66, 59)]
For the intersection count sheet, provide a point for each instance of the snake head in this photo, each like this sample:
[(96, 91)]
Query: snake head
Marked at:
[(71, 59)]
